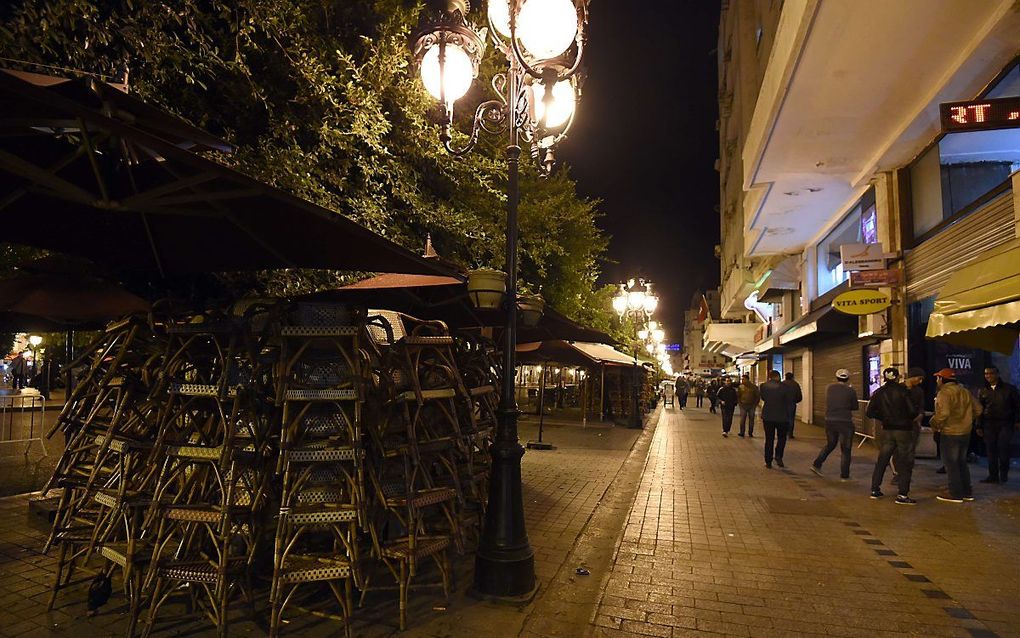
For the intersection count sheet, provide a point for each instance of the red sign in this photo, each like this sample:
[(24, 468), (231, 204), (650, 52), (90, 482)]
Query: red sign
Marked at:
[(981, 115), (875, 278)]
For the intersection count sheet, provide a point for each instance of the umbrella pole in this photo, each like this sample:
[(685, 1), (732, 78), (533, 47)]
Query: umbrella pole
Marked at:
[(539, 445), (68, 358)]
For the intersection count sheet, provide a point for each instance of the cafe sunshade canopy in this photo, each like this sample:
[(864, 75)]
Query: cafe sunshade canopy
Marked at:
[(572, 353), (979, 307), (91, 171)]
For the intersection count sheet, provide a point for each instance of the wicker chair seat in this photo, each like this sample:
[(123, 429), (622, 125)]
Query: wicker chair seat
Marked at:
[(131, 498), (204, 513), (325, 455), (482, 390), (418, 340), (322, 514), (330, 394), (198, 571), (428, 395), (309, 568), (422, 498), (424, 546), (122, 445), (318, 331), (117, 554)]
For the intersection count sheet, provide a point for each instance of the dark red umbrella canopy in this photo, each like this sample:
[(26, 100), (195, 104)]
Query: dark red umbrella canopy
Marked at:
[(65, 299)]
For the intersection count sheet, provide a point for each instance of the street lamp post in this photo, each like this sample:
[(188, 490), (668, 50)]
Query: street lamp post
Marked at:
[(543, 43), (635, 300)]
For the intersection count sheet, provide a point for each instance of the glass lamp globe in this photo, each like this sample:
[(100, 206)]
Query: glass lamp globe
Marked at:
[(659, 334), (499, 16), (642, 334), (546, 28), (35, 340), (455, 76), (650, 348), (635, 300), (651, 302), (620, 304), (653, 325), (564, 101)]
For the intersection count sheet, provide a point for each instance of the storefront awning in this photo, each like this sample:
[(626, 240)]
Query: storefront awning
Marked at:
[(818, 324), (729, 339), (979, 307)]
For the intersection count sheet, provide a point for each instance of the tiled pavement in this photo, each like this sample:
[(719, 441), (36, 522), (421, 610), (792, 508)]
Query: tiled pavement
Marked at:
[(715, 543), (561, 490)]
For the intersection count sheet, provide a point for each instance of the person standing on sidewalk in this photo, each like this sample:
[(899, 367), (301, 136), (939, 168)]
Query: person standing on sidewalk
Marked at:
[(19, 370), (682, 390), (775, 414), (955, 412), (713, 395), (891, 405), (748, 397), (840, 403), (727, 396), (798, 396), (699, 393), (1000, 412), (913, 381)]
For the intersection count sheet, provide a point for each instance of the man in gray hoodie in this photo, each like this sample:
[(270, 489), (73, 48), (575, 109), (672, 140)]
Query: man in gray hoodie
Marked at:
[(840, 402)]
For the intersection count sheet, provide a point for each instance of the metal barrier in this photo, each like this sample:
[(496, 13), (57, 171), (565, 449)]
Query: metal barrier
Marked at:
[(20, 411)]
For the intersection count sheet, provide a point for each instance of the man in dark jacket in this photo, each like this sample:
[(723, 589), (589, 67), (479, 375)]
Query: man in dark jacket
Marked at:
[(727, 397), (1000, 403), (891, 405), (775, 413), (798, 396), (840, 403)]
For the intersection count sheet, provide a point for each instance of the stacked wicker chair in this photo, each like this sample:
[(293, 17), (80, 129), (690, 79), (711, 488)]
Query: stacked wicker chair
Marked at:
[(105, 474), (321, 391), (415, 436), (206, 512)]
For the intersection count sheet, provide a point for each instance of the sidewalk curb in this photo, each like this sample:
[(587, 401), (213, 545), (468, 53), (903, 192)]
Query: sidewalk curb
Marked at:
[(570, 600)]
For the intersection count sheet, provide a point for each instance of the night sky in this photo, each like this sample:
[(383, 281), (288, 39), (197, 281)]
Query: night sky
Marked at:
[(644, 142)]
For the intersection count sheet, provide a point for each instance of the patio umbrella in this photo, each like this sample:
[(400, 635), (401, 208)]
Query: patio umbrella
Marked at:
[(90, 171), (64, 301)]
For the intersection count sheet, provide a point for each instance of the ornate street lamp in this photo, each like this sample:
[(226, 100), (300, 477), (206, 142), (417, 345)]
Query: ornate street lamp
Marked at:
[(542, 42), (635, 299)]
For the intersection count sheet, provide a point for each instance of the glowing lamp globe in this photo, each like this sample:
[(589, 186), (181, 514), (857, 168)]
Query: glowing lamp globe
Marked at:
[(635, 300), (620, 304), (650, 348), (546, 28), (651, 302), (564, 101), (35, 340), (454, 76), (642, 334), (499, 16)]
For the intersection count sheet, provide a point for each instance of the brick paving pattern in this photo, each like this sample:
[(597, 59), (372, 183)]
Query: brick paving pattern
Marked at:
[(715, 544)]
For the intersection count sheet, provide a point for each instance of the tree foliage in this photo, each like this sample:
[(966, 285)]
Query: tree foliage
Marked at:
[(321, 99)]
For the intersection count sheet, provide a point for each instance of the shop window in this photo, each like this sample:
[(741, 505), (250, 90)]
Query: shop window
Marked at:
[(961, 168), (853, 229)]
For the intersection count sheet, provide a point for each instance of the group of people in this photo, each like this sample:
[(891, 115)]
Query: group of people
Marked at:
[(701, 390), (898, 405)]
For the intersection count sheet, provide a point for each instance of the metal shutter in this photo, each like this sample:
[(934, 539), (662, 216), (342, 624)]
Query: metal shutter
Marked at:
[(929, 266), (825, 360)]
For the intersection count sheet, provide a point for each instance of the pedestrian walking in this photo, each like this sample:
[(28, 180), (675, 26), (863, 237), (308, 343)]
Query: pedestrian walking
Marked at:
[(748, 398), (840, 403), (1000, 412), (955, 412), (683, 388), (699, 393), (891, 405), (776, 400), (727, 397), (19, 370), (798, 396), (713, 395)]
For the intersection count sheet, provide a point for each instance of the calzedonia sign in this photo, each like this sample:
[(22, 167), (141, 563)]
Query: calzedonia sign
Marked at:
[(862, 302)]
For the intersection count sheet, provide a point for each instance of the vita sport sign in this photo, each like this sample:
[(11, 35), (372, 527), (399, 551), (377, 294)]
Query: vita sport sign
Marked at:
[(862, 302)]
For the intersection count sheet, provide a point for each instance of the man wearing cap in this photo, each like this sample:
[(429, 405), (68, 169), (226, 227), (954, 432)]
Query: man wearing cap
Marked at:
[(955, 412), (840, 402), (891, 405), (1000, 412)]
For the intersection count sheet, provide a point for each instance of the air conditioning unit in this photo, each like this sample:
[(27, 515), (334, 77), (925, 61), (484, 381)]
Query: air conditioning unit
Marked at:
[(876, 325)]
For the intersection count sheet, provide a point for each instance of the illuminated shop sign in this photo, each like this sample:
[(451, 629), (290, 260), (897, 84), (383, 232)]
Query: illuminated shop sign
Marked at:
[(981, 115)]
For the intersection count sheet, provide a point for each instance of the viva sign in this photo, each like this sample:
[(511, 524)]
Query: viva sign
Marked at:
[(862, 302)]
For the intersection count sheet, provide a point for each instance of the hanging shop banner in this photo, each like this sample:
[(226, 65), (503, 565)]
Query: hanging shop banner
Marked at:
[(862, 302), (862, 257), (875, 278)]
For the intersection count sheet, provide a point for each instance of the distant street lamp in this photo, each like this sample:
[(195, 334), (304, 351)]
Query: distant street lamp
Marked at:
[(543, 42), (634, 299)]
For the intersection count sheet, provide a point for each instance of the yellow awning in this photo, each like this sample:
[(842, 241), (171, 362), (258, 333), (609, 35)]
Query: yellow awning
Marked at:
[(979, 307)]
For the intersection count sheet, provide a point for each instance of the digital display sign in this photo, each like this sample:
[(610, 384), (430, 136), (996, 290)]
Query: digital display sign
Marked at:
[(981, 115)]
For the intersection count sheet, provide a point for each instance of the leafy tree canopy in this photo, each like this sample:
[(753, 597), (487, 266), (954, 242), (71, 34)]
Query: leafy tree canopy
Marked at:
[(321, 99)]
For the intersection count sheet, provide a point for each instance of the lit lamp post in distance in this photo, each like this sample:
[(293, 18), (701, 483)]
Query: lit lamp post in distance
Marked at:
[(542, 42), (636, 301)]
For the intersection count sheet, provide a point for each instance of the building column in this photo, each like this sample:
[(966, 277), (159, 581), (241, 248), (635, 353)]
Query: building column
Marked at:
[(887, 207)]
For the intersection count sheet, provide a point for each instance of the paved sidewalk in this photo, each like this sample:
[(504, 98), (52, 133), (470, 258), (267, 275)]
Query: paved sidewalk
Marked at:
[(562, 489), (716, 544)]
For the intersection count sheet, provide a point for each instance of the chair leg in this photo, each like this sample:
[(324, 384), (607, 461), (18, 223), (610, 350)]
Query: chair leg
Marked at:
[(57, 584), (404, 577)]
